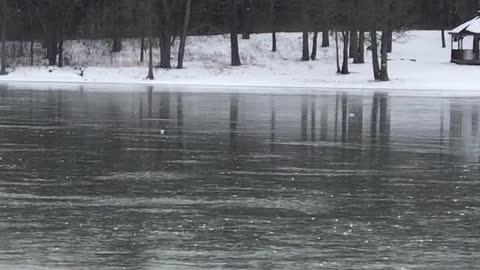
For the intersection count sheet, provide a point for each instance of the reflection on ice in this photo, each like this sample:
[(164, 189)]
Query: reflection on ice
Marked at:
[(182, 180), (142, 176)]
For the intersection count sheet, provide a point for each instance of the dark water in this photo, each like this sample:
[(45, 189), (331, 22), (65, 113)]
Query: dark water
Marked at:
[(231, 181)]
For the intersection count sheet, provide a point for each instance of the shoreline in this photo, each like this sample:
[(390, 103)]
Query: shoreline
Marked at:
[(139, 87), (417, 66)]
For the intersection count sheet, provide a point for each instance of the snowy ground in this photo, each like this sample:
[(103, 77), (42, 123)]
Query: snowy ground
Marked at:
[(417, 63)]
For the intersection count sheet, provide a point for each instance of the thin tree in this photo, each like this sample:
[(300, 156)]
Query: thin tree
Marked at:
[(337, 51), (117, 21), (274, 41), (3, 70), (345, 35), (273, 13), (247, 18), (305, 47), (374, 47), (165, 34), (315, 46), (325, 6), (51, 41), (360, 55), (61, 19), (386, 39), (443, 21), (235, 55), (142, 49), (353, 44), (183, 37), (305, 41), (325, 39), (150, 75), (384, 56)]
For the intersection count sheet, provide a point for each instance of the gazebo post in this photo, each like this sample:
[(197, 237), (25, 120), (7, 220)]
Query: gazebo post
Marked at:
[(476, 47)]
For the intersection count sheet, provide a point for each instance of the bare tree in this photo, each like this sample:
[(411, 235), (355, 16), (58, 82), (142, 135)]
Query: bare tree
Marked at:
[(346, 38), (274, 41), (3, 70), (305, 39), (247, 10), (325, 39), (374, 48), (166, 25), (314, 46), (337, 52), (384, 56), (443, 21), (360, 55), (305, 46), (353, 51), (273, 13), (235, 55), (183, 37), (150, 75)]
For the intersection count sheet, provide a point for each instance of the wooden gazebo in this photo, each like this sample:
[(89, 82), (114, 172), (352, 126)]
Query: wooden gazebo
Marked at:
[(462, 53)]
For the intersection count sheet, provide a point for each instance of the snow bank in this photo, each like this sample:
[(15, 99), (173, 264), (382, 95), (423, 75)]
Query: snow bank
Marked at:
[(418, 62)]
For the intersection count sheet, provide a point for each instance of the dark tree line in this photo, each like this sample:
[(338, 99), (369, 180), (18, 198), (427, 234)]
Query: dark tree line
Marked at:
[(354, 23)]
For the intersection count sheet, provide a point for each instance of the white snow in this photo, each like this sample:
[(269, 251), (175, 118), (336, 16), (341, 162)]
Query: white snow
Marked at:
[(417, 63)]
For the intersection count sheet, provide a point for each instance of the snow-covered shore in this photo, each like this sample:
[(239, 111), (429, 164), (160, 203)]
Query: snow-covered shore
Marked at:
[(417, 63)]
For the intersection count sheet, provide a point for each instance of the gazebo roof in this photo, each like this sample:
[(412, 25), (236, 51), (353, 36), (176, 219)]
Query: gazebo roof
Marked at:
[(470, 27)]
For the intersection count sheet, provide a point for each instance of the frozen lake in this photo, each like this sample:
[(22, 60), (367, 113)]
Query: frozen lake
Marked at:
[(171, 180)]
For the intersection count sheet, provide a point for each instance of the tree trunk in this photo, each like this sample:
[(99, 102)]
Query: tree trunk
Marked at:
[(247, 19), (60, 43), (346, 37), (3, 70), (183, 37), (315, 45), (360, 56), (165, 50), (444, 41), (274, 42), (306, 50), (444, 21), (353, 44), (375, 63), (142, 49), (325, 39), (60, 53), (150, 75), (337, 50), (150, 59), (52, 47), (116, 45), (384, 56), (235, 54), (166, 34), (32, 46), (51, 35), (21, 49), (273, 22), (389, 40)]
